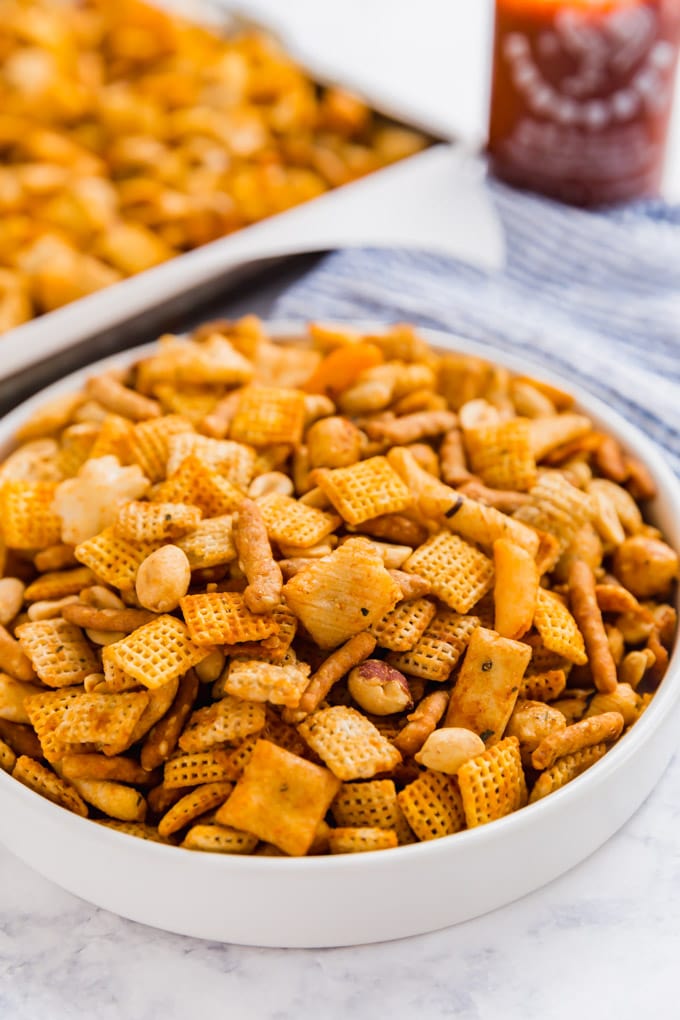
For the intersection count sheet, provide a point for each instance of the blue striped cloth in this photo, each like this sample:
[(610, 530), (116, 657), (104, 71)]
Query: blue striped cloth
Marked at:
[(596, 296)]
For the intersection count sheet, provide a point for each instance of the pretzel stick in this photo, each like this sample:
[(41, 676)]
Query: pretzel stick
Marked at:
[(586, 733), (583, 601), (256, 559), (120, 400), (334, 668), (421, 723), (91, 618)]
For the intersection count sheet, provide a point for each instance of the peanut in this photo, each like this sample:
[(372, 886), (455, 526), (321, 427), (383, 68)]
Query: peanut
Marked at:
[(163, 579), (447, 749), (378, 688), (11, 599)]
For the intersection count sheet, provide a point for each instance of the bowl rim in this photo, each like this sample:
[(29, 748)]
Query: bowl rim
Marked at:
[(661, 706)]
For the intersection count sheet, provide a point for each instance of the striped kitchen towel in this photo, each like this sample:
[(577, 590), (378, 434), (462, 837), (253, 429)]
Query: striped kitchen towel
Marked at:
[(596, 296)]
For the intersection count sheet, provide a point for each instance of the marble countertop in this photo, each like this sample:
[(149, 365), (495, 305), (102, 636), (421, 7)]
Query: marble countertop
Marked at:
[(603, 940)]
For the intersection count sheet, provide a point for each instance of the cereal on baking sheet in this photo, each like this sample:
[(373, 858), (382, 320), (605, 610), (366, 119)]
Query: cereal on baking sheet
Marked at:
[(358, 656)]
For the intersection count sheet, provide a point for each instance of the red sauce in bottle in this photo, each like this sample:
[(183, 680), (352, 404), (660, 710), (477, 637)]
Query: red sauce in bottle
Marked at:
[(582, 95)]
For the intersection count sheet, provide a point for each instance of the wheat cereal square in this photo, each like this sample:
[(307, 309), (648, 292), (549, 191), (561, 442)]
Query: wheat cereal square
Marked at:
[(210, 544), (492, 784), (114, 560), (58, 651), (106, 720), (458, 573), (156, 653), (501, 454), (432, 806), (192, 805), (233, 461), (219, 839), (43, 781), (558, 628), (440, 648), (28, 518), (369, 488), (197, 484), (150, 523), (289, 521), (265, 681), (211, 766), (58, 584), (228, 720), (349, 744), (149, 444), (268, 415), (401, 629), (371, 804), (222, 618), (361, 840)]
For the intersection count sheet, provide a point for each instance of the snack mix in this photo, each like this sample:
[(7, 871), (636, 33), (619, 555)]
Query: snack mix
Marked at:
[(128, 136), (329, 595)]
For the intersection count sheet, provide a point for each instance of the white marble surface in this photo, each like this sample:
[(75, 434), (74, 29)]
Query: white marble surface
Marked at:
[(602, 941)]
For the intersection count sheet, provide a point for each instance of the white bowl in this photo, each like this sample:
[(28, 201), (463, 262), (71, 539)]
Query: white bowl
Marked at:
[(357, 898)]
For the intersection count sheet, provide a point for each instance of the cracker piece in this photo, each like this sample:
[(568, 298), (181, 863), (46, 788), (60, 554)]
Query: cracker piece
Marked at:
[(234, 461), (267, 415), (210, 544), (372, 804), (501, 454), (557, 507), (439, 649), (156, 653), (106, 720), (59, 653), (139, 829), (544, 686), (432, 806), (7, 757), (342, 594), (222, 618), (488, 683), (28, 518), (193, 805), (264, 681), (58, 584), (290, 521), (228, 720), (348, 743), (196, 769), (151, 523), (219, 839), (492, 784), (401, 629), (43, 781), (280, 798), (196, 484), (45, 711), (149, 445), (565, 769), (115, 560), (361, 840), (369, 488), (458, 573), (558, 628)]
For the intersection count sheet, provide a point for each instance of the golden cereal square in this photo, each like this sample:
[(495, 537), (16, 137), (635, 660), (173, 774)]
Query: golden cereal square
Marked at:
[(501, 454), (58, 651), (458, 573), (150, 523), (46, 711), (432, 806), (557, 507), (440, 648), (43, 781), (114, 560), (364, 490), (193, 403), (219, 839), (28, 519), (157, 653), (215, 361), (211, 543), (106, 720), (192, 805), (267, 415), (371, 804), (544, 686), (565, 769), (212, 766), (361, 840), (228, 720), (558, 628), (149, 444), (233, 461), (401, 629), (350, 745), (492, 784), (275, 648), (292, 522), (222, 618), (342, 594), (280, 798), (265, 681), (197, 484)]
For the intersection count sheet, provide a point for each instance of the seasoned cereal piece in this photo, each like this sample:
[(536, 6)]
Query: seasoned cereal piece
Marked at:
[(151, 523), (139, 829), (149, 445), (114, 560), (486, 690), (360, 840), (458, 573), (219, 839), (157, 653), (557, 507), (369, 488), (58, 651), (502, 455), (197, 484), (492, 784), (371, 804), (29, 520), (265, 681), (348, 743), (266, 415), (223, 618), (45, 711), (438, 651), (342, 594), (193, 805), (565, 769), (43, 781), (106, 720), (7, 757), (225, 721), (210, 544), (289, 521), (545, 686), (432, 806), (195, 769), (558, 628), (271, 649), (233, 461), (401, 629), (280, 798), (606, 727)]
